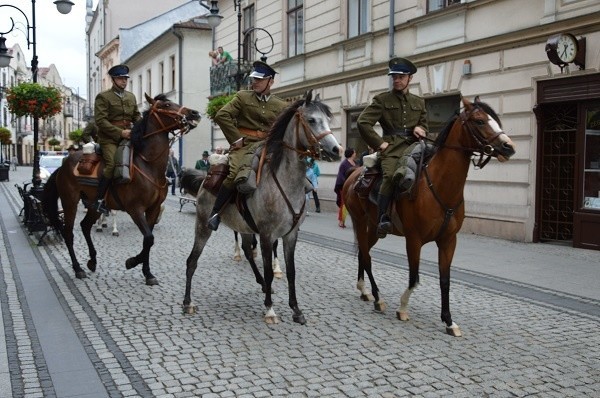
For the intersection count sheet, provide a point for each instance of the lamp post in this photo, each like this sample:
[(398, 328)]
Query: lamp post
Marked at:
[(64, 7)]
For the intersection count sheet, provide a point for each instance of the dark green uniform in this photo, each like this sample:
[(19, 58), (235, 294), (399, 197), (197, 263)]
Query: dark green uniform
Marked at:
[(246, 110), (398, 114), (114, 112)]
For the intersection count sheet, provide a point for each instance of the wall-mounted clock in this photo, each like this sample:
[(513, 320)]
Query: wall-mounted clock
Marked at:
[(564, 48)]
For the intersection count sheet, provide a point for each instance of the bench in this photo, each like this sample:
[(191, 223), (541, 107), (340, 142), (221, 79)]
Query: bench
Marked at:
[(184, 200), (35, 219)]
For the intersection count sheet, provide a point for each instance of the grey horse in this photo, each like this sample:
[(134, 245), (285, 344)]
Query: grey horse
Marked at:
[(278, 205)]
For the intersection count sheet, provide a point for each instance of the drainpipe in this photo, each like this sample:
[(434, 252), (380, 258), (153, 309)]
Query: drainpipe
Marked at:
[(180, 88), (391, 35)]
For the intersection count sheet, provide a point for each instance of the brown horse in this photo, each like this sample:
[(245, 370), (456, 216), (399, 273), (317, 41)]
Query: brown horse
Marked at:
[(141, 198), (435, 210)]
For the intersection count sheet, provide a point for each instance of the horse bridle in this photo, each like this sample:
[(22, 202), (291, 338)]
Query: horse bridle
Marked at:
[(179, 123), (485, 149), (313, 149)]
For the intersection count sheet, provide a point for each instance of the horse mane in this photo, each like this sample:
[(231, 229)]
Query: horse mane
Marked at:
[(441, 138), (139, 127), (277, 132)]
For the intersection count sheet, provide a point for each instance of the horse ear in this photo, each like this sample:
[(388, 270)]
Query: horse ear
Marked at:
[(476, 100), (148, 98), (308, 97), (466, 103), (318, 97)]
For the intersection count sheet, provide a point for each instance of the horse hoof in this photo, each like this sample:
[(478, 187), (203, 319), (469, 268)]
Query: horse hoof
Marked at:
[(453, 330), (278, 275), (272, 320), (130, 263), (115, 234), (80, 275), (380, 306), (91, 265), (237, 257), (151, 282), (402, 315), (299, 319), (189, 309), (366, 297)]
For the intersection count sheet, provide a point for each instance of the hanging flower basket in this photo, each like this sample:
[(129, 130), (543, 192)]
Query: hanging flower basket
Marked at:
[(33, 99)]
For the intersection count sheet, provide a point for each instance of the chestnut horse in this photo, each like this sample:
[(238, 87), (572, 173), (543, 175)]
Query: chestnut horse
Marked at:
[(141, 198), (435, 209)]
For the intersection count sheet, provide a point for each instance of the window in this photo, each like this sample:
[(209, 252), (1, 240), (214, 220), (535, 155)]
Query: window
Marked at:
[(295, 17), (249, 50), (172, 66), (440, 110), (358, 17), (149, 82), (434, 5), (161, 76), (140, 96)]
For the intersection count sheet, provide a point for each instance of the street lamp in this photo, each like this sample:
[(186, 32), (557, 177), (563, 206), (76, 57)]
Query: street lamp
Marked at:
[(64, 7)]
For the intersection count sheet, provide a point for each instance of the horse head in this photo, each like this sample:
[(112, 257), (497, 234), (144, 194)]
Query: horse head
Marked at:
[(486, 136), (313, 118), (172, 116)]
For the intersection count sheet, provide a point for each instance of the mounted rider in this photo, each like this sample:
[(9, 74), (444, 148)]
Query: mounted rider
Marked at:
[(403, 119), (115, 111), (245, 122)]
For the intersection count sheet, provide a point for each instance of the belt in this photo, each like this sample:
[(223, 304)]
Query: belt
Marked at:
[(253, 133), (399, 132), (121, 123)]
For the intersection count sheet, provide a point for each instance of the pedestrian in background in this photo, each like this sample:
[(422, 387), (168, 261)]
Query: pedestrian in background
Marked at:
[(203, 164), (347, 164), (312, 173), (224, 56), (173, 170), (14, 162)]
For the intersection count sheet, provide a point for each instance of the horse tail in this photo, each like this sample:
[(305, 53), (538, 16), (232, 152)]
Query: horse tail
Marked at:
[(50, 203), (191, 180)]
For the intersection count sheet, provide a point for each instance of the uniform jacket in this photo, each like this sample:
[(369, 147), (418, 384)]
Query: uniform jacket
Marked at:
[(394, 111), (110, 108), (245, 110)]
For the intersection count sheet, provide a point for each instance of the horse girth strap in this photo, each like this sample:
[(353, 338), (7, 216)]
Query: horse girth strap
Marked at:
[(448, 211), (295, 216)]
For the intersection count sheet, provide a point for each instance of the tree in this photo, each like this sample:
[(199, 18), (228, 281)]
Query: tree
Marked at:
[(76, 136), (53, 142)]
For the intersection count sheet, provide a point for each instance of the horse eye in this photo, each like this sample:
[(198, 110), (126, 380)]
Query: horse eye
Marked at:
[(311, 120), (480, 122)]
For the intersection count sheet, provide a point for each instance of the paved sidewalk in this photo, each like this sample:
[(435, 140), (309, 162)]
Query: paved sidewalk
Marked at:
[(64, 342)]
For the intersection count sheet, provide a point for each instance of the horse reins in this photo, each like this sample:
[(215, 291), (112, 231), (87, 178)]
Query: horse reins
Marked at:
[(179, 123), (485, 149), (312, 151)]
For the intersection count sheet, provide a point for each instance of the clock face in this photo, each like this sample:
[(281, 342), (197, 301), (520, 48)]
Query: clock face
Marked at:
[(566, 48)]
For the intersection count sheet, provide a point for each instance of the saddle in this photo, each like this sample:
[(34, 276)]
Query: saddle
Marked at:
[(90, 166)]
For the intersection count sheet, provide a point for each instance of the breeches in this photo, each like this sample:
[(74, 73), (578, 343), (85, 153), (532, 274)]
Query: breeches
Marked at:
[(240, 163), (389, 162), (108, 153)]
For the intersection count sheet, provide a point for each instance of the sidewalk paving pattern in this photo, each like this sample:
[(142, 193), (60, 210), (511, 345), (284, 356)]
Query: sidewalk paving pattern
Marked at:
[(529, 314)]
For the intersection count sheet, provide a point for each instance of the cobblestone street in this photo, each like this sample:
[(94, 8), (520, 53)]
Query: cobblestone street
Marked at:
[(139, 342)]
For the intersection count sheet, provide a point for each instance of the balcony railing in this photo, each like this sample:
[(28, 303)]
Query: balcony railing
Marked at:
[(224, 77)]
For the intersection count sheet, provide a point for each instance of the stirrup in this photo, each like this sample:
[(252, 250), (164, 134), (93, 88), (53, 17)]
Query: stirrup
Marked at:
[(213, 222), (101, 208), (384, 227)]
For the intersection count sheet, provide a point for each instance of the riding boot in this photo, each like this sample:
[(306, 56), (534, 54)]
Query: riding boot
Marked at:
[(222, 199), (385, 224), (317, 202), (100, 205)]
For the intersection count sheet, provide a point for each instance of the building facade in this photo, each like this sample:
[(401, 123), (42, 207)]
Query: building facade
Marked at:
[(492, 48)]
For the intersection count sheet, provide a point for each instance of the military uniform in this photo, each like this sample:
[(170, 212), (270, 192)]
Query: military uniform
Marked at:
[(249, 116), (114, 111), (245, 121), (398, 113)]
